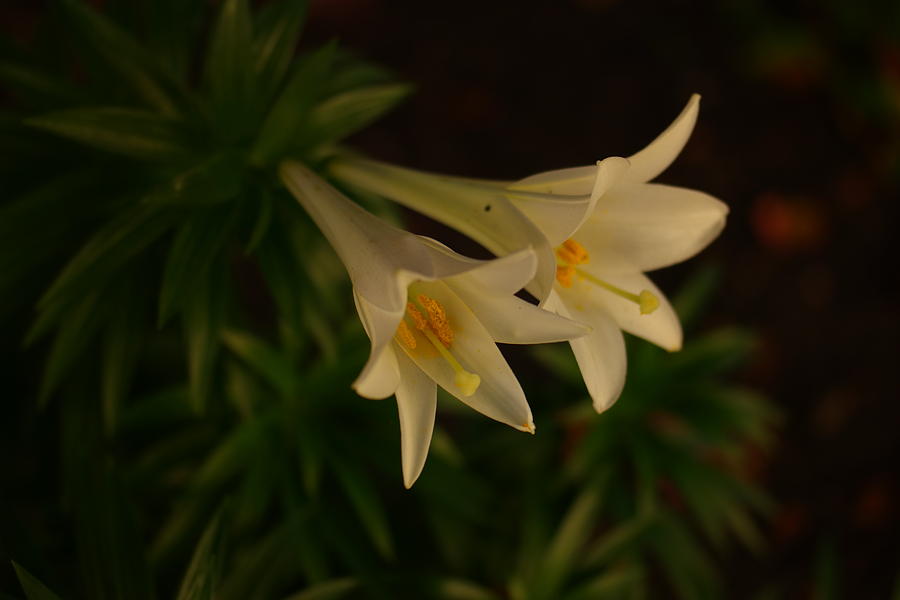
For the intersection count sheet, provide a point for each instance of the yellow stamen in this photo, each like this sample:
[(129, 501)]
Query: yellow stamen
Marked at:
[(437, 317), (571, 253), (418, 320), (646, 300), (405, 336), (438, 332), (564, 274)]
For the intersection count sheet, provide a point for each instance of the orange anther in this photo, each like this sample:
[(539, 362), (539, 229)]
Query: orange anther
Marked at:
[(564, 274), (405, 336), (437, 318)]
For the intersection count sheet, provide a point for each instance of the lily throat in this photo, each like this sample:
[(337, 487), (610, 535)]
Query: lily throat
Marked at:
[(428, 317), (570, 255)]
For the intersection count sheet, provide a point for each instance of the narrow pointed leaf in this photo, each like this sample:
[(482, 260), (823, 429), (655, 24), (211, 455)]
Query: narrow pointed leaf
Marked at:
[(263, 359), (172, 27), (367, 505), (613, 584), (130, 132), (566, 545), (109, 248), (109, 548), (36, 88), (202, 578), (228, 66), (122, 344), (196, 245), (203, 317), (277, 32), (347, 113), (263, 221), (75, 334), (327, 590), (291, 110), (121, 52), (33, 588)]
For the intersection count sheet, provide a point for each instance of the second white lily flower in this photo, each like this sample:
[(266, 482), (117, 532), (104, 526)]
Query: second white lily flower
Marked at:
[(432, 315)]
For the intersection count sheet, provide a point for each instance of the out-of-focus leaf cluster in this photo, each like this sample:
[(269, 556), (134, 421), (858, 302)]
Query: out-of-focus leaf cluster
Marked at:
[(198, 339)]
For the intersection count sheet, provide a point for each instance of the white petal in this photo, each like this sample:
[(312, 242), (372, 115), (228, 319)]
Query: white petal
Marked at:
[(660, 327), (557, 217), (511, 320), (379, 257), (572, 181), (380, 376), (416, 405), (659, 154), (600, 355), (479, 211), (648, 226), (499, 396), (505, 275)]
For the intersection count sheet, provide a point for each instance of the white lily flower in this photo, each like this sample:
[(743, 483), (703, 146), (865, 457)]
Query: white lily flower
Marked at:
[(627, 226), (485, 210), (433, 316)]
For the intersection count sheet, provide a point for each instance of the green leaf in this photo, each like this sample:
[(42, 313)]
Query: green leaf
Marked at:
[(717, 352), (33, 588), (109, 547), (215, 180), (618, 541), (288, 283), (263, 220), (351, 72), (567, 544), (459, 589), (42, 224), (75, 334), (219, 468), (327, 590), (228, 67), (131, 132), (612, 584), (695, 295), (197, 243), (122, 345), (346, 113), (121, 52), (108, 249), (202, 578), (203, 316), (278, 30), (291, 110), (366, 503), (172, 27), (265, 360), (36, 88)]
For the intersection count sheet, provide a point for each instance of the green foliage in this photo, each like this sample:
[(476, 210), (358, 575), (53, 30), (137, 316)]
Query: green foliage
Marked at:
[(197, 339), (34, 589)]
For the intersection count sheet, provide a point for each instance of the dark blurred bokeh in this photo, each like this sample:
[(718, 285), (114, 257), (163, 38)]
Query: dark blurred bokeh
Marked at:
[(799, 132)]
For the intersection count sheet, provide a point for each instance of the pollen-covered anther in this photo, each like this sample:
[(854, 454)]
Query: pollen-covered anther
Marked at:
[(405, 336), (414, 314), (437, 318), (564, 275), (436, 330), (572, 253)]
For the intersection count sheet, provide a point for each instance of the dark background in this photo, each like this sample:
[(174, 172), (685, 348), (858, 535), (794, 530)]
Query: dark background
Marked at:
[(798, 134)]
